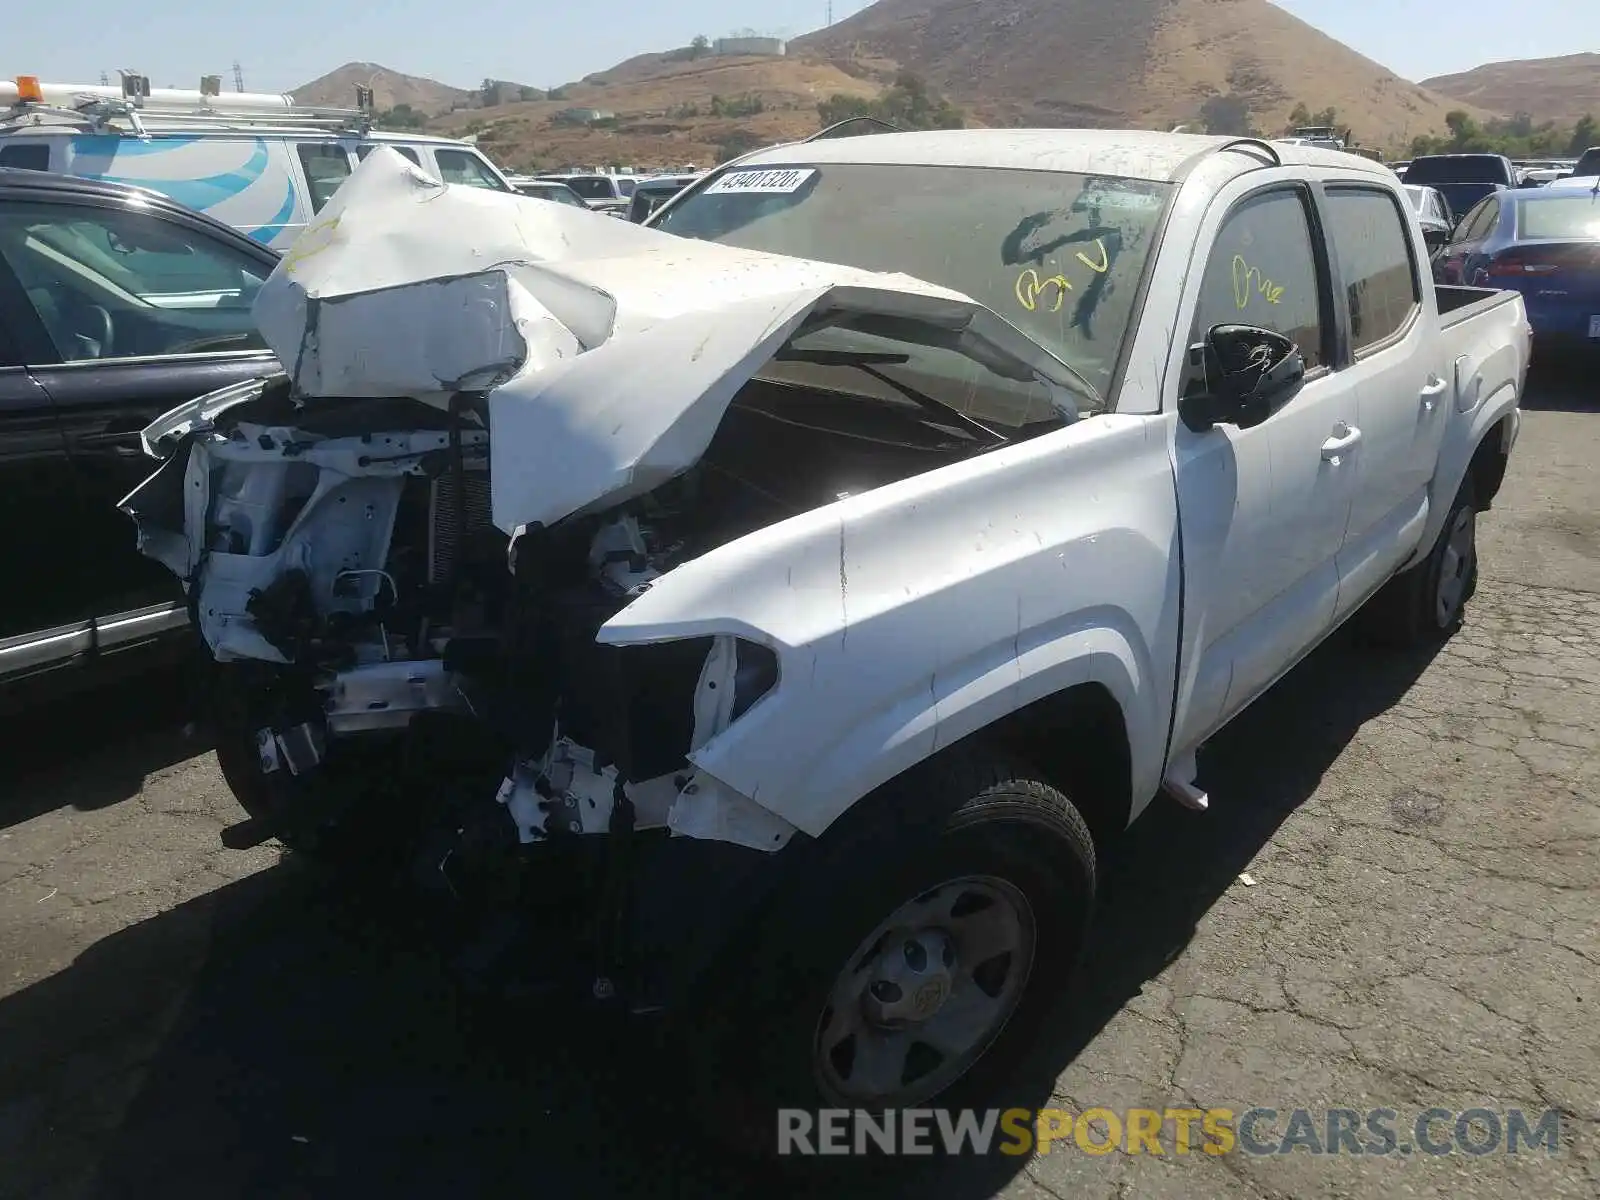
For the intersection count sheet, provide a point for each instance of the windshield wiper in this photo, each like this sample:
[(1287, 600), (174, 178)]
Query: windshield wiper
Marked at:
[(868, 361)]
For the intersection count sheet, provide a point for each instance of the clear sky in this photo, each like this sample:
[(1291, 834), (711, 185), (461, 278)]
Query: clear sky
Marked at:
[(284, 43)]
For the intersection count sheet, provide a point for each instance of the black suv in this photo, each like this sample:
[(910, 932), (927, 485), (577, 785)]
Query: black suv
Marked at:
[(116, 304)]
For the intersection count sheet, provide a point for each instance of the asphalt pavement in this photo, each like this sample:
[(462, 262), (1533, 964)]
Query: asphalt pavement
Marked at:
[(1393, 904)]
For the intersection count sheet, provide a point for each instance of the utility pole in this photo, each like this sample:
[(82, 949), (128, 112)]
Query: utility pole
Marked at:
[(105, 80), (238, 76), (830, 12)]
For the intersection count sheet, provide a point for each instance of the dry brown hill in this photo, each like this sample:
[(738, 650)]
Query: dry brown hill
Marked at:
[(666, 112), (338, 89), (1547, 89), (1136, 62), (1144, 63)]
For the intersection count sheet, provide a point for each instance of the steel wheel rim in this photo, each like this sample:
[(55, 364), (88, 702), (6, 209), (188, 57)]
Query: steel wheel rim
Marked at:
[(1455, 567), (925, 994)]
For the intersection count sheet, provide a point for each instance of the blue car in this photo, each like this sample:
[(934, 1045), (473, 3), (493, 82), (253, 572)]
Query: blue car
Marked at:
[(1542, 242)]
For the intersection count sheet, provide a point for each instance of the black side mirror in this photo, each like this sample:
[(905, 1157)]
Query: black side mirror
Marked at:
[(1434, 239), (1248, 372)]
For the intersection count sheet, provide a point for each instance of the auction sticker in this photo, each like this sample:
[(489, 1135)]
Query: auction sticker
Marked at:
[(769, 183)]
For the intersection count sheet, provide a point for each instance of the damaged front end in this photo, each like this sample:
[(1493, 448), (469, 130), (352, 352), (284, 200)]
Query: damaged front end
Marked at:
[(420, 532)]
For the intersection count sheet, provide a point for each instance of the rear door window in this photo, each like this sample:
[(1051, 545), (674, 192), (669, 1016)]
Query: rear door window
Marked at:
[(1477, 221), (367, 148), (467, 169), (33, 156), (1483, 224), (327, 165), (1368, 233)]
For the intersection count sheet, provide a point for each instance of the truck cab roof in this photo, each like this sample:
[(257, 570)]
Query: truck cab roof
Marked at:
[(1134, 154)]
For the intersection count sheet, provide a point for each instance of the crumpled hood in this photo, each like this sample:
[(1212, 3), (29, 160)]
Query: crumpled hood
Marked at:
[(610, 351)]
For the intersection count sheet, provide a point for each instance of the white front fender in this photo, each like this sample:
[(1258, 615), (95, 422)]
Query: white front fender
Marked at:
[(908, 617)]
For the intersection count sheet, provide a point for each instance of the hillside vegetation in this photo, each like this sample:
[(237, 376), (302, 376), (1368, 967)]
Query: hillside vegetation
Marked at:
[(1144, 63), (1562, 90), (1232, 66)]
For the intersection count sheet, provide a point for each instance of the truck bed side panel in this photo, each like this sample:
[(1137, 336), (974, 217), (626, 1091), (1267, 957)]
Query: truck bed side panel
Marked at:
[(1484, 342)]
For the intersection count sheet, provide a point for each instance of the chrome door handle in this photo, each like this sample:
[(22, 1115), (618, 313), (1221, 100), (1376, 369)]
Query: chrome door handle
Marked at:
[(1334, 448)]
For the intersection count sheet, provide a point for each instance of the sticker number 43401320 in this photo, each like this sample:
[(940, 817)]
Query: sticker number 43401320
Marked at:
[(780, 182)]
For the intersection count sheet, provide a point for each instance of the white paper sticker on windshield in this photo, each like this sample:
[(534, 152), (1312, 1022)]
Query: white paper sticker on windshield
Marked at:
[(1120, 197), (769, 183)]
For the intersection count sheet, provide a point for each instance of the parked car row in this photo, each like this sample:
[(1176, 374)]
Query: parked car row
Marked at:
[(1541, 242), (1489, 225), (606, 193), (259, 162)]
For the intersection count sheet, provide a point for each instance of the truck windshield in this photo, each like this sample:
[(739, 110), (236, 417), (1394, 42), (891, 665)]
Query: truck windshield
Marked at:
[(1458, 168), (1058, 255)]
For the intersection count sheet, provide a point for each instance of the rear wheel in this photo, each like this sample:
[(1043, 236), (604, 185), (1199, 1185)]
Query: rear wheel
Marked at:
[(1426, 603), (912, 961)]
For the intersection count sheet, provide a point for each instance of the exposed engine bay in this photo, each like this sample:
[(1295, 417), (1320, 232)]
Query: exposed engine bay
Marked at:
[(353, 544)]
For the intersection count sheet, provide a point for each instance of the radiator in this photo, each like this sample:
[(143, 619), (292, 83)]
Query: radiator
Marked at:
[(455, 516)]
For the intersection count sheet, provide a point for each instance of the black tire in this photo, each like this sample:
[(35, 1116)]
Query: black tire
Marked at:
[(1411, 610), (753, 1045), (240, 700)]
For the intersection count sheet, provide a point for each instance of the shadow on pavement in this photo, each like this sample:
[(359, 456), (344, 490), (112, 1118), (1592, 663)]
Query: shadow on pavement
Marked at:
[(282, 1038), (94, 748)]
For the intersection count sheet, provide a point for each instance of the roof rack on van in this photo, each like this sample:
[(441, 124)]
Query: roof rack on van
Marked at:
[(97, 107)]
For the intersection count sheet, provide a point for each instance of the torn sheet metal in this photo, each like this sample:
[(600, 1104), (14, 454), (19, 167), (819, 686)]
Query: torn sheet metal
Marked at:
[(610, 351)]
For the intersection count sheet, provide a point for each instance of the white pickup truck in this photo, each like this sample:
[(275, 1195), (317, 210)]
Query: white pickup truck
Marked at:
[(800, 586)]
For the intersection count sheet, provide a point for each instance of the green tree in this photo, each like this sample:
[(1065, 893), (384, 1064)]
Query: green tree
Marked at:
[(401, 116), (1585, 133), (740, 141), (1461, 126), (1516, 137), (907, 104), (700, 46), (1228, 114)]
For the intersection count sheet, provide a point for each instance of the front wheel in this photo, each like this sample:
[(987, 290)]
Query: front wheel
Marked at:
[(301, 811), (912, 962)]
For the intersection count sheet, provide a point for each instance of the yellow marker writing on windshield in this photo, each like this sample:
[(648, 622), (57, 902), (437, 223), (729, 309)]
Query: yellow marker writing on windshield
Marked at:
[(1105, 259), (1030, 287)]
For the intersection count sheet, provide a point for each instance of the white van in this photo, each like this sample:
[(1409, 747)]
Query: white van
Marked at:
[(256, 161)]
